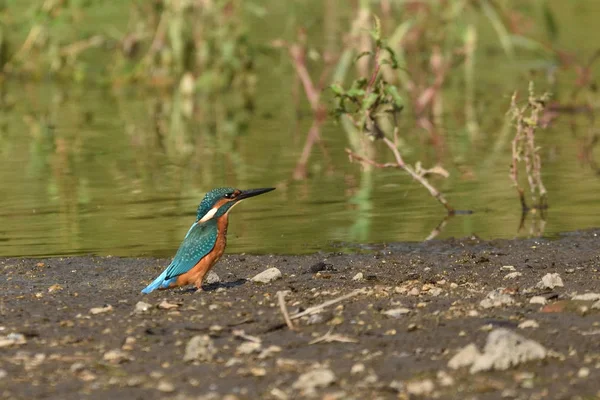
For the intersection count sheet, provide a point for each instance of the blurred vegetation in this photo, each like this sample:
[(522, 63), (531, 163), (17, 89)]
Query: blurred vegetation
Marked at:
[(409, 83)]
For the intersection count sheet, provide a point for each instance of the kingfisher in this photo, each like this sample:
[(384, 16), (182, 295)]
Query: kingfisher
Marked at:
[(205, 241)]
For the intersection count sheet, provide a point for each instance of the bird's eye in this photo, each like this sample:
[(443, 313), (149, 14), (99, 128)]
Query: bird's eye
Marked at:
[(228, 195)]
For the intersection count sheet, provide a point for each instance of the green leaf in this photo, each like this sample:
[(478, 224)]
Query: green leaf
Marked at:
[(369, 101), (499, 27), (355, 92), (393, 59), (361, 55), (550, 21), (392, 91), (338, 90)]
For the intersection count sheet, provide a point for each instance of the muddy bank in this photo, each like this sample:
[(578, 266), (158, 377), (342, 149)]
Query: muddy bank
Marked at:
[(75, 328)]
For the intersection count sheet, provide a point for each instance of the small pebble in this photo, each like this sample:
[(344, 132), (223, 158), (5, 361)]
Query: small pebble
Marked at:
[(396, 312), (269, 275), (101, 310), (420, 388), (166, 387), (550, 281), (529, 324), (317, 378), (583, 372), (538, 300), (358, 277), (512, 275), (212, 278), (141, 307), (200, 348), (357, 368)]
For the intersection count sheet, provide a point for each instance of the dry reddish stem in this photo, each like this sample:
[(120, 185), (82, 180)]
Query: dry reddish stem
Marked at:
[(524, 149), (313, 94), (402, 165)]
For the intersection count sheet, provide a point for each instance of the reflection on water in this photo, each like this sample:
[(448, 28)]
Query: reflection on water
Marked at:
[(120, 171), (90, 172)]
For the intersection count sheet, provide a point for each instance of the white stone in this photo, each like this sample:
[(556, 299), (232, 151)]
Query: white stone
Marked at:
[(596, 305), (200, 348), (538, 300), (396, 312), (445, 379), (357, 368), (117, 356), (513, 275), (583, 372), (529, 324), (465, 357), (141, 307), (420, 388), (358, 277), (317, 378), (505, 349), (268, 275), (550, 281), (101, 310), (212, 278), (496, 298), (248, 348), (587, 297), (12, 339)]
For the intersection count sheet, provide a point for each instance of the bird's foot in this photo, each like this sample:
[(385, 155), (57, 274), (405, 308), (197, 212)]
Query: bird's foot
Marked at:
[(199, 290)]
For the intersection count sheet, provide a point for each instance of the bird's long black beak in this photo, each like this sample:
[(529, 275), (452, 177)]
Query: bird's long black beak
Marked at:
[(252, 192)]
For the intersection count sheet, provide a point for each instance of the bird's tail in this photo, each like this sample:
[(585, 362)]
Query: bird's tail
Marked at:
[(156, 283)]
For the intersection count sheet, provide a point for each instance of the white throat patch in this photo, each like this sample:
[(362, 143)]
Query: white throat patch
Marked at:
[(209, 214)]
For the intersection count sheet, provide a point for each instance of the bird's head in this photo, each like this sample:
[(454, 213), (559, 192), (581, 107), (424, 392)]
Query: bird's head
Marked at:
[(219, 201)]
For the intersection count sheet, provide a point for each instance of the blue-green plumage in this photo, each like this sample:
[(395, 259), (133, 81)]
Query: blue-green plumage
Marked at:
[(201, 238), (198, 242), (210, 199)]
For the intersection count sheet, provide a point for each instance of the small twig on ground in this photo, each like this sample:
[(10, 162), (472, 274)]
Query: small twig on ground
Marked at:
[(331, 337), (240, 333), (284, 310), (315, 309)]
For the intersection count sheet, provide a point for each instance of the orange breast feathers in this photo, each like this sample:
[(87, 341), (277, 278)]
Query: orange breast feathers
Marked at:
[(196, 275)]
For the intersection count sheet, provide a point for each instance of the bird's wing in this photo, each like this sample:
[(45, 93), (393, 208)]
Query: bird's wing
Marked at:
[(198, 242)]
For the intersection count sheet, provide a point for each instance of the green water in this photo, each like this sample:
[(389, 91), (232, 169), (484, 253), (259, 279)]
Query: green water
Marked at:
[(83, 169)]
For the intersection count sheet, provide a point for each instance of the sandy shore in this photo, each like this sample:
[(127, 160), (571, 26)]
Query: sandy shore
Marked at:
[(74, 328)]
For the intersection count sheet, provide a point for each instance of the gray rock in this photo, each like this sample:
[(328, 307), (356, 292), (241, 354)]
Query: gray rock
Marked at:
[(358, 277), (248, 348), (12, 339), (141, 307), (587, 297), (268, 275), (420, 388), (117, 356), (550, 281), (397, 312), (317, 378), (538, 300), (212, 278), (465, 357), (200, 348), (505, 349), (497, 298)]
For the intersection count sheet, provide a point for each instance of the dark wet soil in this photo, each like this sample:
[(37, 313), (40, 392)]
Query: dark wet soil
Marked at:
[(78, 334)]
